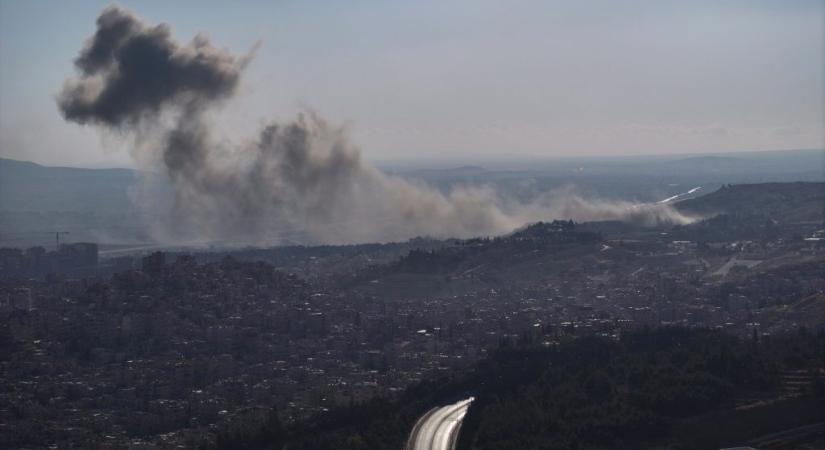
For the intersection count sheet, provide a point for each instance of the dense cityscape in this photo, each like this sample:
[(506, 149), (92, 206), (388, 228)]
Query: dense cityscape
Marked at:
[(169, 352), (429, 225)]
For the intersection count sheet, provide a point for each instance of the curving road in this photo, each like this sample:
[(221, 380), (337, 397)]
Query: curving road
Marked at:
[(438, 429)]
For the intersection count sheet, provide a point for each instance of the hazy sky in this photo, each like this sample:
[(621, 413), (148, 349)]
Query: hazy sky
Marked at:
[(462, 79)]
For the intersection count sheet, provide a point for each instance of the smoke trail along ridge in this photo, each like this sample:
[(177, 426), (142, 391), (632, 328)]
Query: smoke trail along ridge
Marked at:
[(137, 80)]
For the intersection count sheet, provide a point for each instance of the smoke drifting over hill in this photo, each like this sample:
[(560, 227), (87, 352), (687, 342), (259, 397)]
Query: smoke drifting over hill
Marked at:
[(302, 180)]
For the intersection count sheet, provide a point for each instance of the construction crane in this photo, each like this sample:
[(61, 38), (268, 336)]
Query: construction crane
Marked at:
[(57, 237)]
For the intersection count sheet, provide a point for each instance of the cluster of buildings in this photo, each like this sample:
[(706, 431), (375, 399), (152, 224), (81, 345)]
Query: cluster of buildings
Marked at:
[(166, 355), (75, 259)]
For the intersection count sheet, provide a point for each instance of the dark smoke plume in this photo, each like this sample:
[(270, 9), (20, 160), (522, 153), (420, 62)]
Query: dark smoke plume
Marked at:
[(130, 71), (301, 181)]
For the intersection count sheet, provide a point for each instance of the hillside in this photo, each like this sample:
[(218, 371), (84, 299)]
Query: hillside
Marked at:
[(785, 202), (26, 186), (522, 258), (667, 388), (99, 204), (91, 204)]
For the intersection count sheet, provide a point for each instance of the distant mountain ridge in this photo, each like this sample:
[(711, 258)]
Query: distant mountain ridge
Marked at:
[(93, 205), (99, 204), (701, 160), (27, 186)]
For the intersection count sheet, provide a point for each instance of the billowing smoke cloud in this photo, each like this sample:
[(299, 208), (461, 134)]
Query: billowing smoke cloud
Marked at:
[(300, 181)]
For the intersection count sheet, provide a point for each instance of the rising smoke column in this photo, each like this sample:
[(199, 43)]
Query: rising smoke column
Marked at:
[(301, 180)]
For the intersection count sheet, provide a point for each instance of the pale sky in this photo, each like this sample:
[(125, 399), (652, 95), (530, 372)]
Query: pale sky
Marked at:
[(467, 80)]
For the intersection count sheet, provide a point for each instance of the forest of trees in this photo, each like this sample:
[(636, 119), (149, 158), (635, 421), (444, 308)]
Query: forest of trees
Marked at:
[(665, 388), (598, 394), (540, 236)]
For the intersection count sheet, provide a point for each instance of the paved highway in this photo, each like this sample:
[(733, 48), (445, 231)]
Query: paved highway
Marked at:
[(438, 429)]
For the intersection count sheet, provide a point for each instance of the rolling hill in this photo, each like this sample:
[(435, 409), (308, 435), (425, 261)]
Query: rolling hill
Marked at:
[(786, 202)]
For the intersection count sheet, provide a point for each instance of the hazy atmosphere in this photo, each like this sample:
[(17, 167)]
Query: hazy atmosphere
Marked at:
[(301, 180), (459, 81), (421, 225)]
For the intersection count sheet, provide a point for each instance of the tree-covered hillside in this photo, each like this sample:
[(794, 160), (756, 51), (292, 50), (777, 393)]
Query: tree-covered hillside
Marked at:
[(787, 202), (668, 388)]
